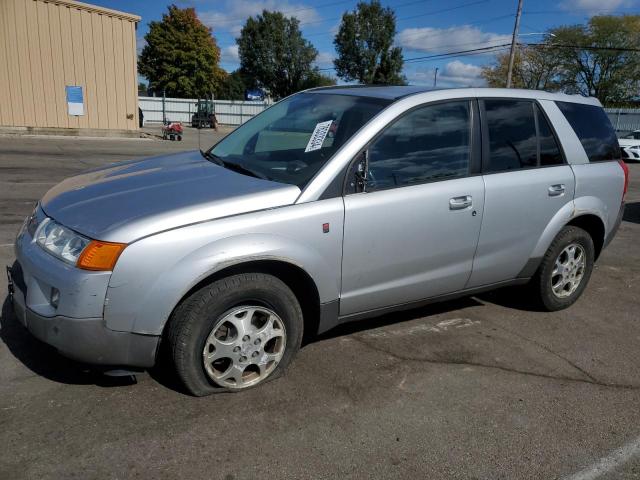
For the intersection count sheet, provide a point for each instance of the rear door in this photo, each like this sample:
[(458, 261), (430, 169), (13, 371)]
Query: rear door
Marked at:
[(527, 181), (412, 234)]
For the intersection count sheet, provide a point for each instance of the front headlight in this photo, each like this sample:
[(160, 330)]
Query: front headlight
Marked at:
[(634, 147), (61, 242)]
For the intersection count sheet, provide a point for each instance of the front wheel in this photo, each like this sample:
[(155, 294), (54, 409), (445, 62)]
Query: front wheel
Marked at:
[(565, 269), (236, 333)]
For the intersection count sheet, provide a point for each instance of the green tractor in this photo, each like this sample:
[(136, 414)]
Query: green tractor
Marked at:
[(205, 115)]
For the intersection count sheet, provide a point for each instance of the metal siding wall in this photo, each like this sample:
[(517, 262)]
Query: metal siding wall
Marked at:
[(6, 113), (624, 119), (49, 110), (15, 89), (228, 112), (45, 46)]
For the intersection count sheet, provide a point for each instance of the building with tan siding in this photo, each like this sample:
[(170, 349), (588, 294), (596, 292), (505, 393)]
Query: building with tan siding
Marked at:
[(49, 48)]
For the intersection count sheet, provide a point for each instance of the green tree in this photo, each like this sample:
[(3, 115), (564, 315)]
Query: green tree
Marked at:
[(274, 55), (602, 69), (231, 86), (181, 56), (142, 89), (533, 68), (365, 48), (317, 79)]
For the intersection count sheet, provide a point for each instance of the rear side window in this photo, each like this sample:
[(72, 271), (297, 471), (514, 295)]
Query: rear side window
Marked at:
[(512, 134), (594, 129)]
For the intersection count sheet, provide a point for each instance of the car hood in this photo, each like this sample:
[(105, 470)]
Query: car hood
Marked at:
[(126, 201)]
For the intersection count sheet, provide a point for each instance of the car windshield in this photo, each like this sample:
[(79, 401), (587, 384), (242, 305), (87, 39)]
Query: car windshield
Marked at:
[(293, 139)]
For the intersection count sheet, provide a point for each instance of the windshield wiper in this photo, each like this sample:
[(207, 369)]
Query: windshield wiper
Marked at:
[(242, 169), (232, 166), (212, 158)]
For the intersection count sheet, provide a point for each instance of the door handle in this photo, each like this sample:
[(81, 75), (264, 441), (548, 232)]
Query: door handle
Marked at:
[(556, 190), (460, 203)]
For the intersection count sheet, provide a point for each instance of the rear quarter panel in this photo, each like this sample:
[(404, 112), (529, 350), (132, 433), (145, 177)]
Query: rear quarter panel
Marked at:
[(599, 188)]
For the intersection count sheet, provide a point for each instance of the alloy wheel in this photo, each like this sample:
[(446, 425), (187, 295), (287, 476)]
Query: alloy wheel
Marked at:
[(244, 347), (568, 270)]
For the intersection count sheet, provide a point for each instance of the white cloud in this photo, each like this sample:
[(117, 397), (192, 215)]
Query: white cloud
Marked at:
[(325, 59), (595, 6), (453, 74), (229, 54), (464, 37), (234, 13)]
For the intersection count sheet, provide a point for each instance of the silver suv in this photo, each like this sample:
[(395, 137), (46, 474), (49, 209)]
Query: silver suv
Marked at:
[(333, 205)]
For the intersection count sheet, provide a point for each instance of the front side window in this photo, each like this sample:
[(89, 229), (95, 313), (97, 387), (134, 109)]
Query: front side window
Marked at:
[(512, 134), (293, 139), (429, 143)]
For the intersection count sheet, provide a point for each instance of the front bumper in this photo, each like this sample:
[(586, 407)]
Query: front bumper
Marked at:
[(84, 339), (63, 306)]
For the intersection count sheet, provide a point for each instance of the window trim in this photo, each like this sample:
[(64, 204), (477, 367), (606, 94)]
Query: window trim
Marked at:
[(535, 105), (553, 133), (475, 145)]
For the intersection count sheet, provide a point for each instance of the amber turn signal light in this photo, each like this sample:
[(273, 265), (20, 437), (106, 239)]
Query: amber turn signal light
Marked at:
[(100, 255)]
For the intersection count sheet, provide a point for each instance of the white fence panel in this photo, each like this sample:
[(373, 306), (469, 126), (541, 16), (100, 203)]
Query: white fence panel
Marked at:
[(228, 112)]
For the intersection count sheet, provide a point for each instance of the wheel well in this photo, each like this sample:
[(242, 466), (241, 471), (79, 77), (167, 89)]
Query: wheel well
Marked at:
[(594, 227), (298, 280)]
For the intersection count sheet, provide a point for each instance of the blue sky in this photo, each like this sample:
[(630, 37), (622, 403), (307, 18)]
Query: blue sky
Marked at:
[(425, 27)]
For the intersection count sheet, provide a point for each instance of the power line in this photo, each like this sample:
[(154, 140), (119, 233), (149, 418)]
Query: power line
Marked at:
[(240, 19), (435, 12), (448, 54), (569, 12), (581, 47), (228, 21)]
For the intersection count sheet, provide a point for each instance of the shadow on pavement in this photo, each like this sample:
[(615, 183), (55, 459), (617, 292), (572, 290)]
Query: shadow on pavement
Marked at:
[(44, 360), (395, 317), (632, 212)]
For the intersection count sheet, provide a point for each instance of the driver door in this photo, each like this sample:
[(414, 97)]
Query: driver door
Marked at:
[(412, 233)]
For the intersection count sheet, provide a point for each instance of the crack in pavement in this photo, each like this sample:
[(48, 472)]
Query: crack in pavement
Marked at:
[(409, 358), (552, 352)]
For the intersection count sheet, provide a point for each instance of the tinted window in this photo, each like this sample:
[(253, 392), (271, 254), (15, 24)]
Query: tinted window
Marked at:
[(593, 128), (429, 143), (512, 134), (549, 150)]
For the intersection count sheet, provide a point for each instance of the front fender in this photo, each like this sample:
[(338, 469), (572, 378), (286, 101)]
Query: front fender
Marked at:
[(154, 274)]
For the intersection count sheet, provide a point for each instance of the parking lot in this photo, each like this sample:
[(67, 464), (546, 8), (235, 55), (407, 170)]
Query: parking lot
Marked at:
[(478, 388)]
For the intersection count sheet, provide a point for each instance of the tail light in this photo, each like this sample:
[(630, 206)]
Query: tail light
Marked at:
[(625, 169)]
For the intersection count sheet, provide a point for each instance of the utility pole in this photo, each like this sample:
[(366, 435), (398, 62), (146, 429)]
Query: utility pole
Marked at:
[(514, 39), (435, 78)]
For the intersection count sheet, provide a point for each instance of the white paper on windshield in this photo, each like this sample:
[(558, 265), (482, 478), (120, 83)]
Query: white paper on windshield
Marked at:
[(318, 136)]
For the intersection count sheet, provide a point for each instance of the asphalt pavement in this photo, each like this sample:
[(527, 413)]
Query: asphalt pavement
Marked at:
[(479, 388)]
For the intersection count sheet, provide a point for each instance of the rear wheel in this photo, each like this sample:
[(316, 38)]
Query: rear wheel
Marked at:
[(234, 334), (565, 269)]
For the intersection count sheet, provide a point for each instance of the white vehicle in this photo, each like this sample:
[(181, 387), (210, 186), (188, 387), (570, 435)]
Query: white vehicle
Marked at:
[(630, 146)]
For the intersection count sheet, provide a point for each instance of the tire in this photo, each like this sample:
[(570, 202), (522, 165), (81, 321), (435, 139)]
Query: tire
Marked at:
[(566, 291), (223, 322)]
